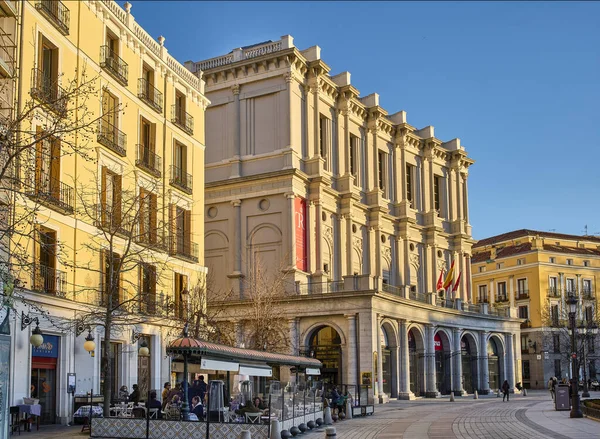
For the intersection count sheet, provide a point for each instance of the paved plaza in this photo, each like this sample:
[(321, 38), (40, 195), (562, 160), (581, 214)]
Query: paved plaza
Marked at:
[(530, 417)]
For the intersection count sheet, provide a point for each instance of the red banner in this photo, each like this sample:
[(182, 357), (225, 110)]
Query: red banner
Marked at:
[(300, 214), (437, 342)]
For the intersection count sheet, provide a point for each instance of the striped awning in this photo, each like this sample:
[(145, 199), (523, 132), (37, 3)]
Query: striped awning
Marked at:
[(194, 348)]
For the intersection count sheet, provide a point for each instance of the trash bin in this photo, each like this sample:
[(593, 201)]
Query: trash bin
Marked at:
[(562, 400)]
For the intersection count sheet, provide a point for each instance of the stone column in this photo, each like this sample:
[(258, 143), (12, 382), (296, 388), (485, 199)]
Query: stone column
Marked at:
[(311, 225), (492, 295), (484, 385), (561, 283), (459, 196), (518, 365), (430, 389), (289, 79), (394, 350), (291, 197), (236, 164), (396, 266), (511, 290), (349, 250), (457, 387), (319, 238), (377, 255), (371, 249), (427, 267), (317, 115), (294, 342), (351, 377), (466, 198), (379, 361), (237, 250), (510, 362), (427, 188), (239, 333), (404, 363)]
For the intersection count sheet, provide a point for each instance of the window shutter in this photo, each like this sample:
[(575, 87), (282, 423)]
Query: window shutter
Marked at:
[(103, 195), (55, 168), (37, 250), (187, 230), (117, 199), (141, 292), (153, 220), (39, 151), (172, 227), (103, 283), (142, 214)]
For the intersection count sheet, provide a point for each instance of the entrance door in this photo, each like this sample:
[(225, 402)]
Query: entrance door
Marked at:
[(43, 387), (469, 366), (493, 365)]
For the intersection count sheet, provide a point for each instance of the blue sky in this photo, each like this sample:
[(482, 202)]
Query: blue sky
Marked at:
[(518, 83)]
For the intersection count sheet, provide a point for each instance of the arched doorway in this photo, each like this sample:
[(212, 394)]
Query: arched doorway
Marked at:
[(325, 344), (441, 345), (416, 351), (469, 363), (389, 357), (493, 364)]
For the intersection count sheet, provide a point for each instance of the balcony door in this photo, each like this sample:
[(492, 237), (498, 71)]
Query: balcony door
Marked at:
[(48, 67), (521, 286)]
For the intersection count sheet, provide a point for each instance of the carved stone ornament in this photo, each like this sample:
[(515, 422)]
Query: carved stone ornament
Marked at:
[(328, 233), (357, 243), (415, 260), (289, 77), (235, 89), (441, 264), (387, 253)]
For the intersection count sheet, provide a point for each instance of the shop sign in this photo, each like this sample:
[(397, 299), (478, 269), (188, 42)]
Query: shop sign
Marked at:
[(437, 343), (48, 349)]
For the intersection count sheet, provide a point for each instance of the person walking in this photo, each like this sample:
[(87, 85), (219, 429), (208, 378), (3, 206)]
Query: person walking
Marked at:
[(505, 388)]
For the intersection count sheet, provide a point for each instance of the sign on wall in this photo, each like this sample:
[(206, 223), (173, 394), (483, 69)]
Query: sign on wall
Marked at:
[(301, 247), (48, 349), (437, 342)]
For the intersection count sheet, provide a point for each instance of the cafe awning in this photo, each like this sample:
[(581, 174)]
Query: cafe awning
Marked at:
[(256, 370), (231, 366)]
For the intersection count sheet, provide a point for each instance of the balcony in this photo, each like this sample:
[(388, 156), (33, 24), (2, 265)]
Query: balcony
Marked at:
[(147, 160), (526, 324), (56, 12), (588, 294), (114, 65), (181, 180), (111, 137), (523, 295), (180, 247), (182, 119), (49, 280), (152, 240), (483, 300), (53, 194), (553, 292), (46, 90), (114, 222), (320, 287), (501, 299), (8, 8), (150, 95)]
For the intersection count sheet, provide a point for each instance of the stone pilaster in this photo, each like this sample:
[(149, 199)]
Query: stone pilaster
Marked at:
[(510, 362), (457, 387), (351, 363), (430, 389), (484, 385), (403, 363)]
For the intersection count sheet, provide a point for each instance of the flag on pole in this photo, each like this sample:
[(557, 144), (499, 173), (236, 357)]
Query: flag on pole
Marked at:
[(449, 276), (440, 282), (455, 287)]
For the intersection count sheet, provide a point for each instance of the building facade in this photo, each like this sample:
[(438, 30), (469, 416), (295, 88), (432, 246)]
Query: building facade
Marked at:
[(530, 274), (358, 210), (115, 216)]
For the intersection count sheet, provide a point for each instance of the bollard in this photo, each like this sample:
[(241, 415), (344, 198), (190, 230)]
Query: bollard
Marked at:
[(285, 434), (330, 433), (327, 419), (475, 395), (451, 396), (348, 409), (294, 431), (245, 434), (524, 392), (275, 429)]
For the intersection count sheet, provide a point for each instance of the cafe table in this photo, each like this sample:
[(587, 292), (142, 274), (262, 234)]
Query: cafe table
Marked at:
[(31, 410)]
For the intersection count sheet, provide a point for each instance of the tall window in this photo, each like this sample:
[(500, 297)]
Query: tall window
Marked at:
[(523, 312), (483, 295), (587, 286), (111, 286), (571, 286), (180, 157), (180, 221), (502, 292), (554, 315), (553, 285), (354, 155), (324, 139), (437, 181), (148, 216), (110, 198), (556, 343), (147, 134), (180, 106), (521, 286), (180, 292), (589, 314), (114, 356), (382, 172), (147, 298), (48, 68), (148, 75), (557, 369), (526, 370), (409, 183), (47, 165)]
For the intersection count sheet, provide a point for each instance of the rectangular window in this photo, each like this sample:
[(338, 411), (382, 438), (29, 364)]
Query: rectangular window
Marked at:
[(586, 263), (526, 370), (180, 221), (569, 261), (382, 171), (552, 260), (436, 192), (180, 107), (589, 314), (554, 315), (354, 157), (110, 198), (524, 348), (590, 344), (324, 139), (114, 357), (587, 287), (48, 68), (521, 261), (571, 286), (557, 369), (180, 290), (409, 184), (180, 157), (553, 286), (147, 298), (148, 217), (499, 265), (523, 312), (47, 166), (111, 291), (483, 296), (481, 269), (522, 287), (501, 297), (556, 343), (386, 277)]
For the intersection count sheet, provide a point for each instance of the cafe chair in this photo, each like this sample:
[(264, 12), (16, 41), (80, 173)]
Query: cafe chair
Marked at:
[(154, 413), (15, 422), (253, 418)]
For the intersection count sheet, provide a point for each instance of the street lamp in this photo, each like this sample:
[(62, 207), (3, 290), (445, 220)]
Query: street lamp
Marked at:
[(572, 302), (90, 344), (37, 338)]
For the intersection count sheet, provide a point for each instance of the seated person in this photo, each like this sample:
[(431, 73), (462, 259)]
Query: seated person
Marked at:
[(248, 408), (123, 394), (258, 403), (155, 404), (135, 395), (197, 408), (175, 401)]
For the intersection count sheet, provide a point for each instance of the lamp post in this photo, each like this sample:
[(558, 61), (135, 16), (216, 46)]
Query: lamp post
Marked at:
[(572, 302), (37, 338)]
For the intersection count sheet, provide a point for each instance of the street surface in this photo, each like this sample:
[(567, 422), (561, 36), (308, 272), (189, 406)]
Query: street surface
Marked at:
[(527, 417)]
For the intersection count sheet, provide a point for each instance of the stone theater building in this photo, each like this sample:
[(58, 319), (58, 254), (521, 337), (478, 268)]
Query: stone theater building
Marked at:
[(362, 211)]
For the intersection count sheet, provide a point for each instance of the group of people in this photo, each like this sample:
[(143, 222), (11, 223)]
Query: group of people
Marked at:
[(125, 396), (172, 398)]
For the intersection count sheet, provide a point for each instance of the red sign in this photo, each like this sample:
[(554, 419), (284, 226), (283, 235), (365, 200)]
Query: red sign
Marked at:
[(437, 342), (300, 214)]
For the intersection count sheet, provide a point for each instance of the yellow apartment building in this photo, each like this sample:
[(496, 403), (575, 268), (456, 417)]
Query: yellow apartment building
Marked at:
[(529, 274), (118, 129)]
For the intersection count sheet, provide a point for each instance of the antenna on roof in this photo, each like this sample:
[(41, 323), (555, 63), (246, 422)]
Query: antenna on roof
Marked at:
[(585, 230)]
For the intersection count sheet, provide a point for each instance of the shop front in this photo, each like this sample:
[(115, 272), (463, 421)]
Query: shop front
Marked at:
[(44, 374)]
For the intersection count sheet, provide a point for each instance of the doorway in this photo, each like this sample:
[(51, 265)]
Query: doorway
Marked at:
[(44, 360)]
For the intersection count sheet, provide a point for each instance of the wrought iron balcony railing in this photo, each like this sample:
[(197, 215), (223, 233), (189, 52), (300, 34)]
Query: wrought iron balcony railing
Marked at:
[(113, 138), (113, 64), (56, 12), (46, 90), (523, 295), (52, 193), (181, 180), (501, 299), (49, 280), (483, 300), (115, 222), (526, 324), (553, 292), (148, 160), (588, 294), (151, 239), (180, 247), (150, 94), (182, 119)]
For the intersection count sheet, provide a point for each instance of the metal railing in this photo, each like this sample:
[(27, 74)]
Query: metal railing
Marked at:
[(113, 138), (523, 294), (56, 12), (147, 159), (483, 300), (150, 94), (419, 297), (182, 119), (49, 280), (391, 289), (53, 193), (151, 239), (526, 324), (471, 307), (445, 303), (46, 89), (320, 287), (553, 292), (181, 180), (115, 222), (501, 299), (588, 294), (179, 246), (114, 64)]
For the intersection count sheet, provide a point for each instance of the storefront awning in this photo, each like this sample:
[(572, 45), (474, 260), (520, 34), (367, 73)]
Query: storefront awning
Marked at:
[(231, 366), (256, 370)]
